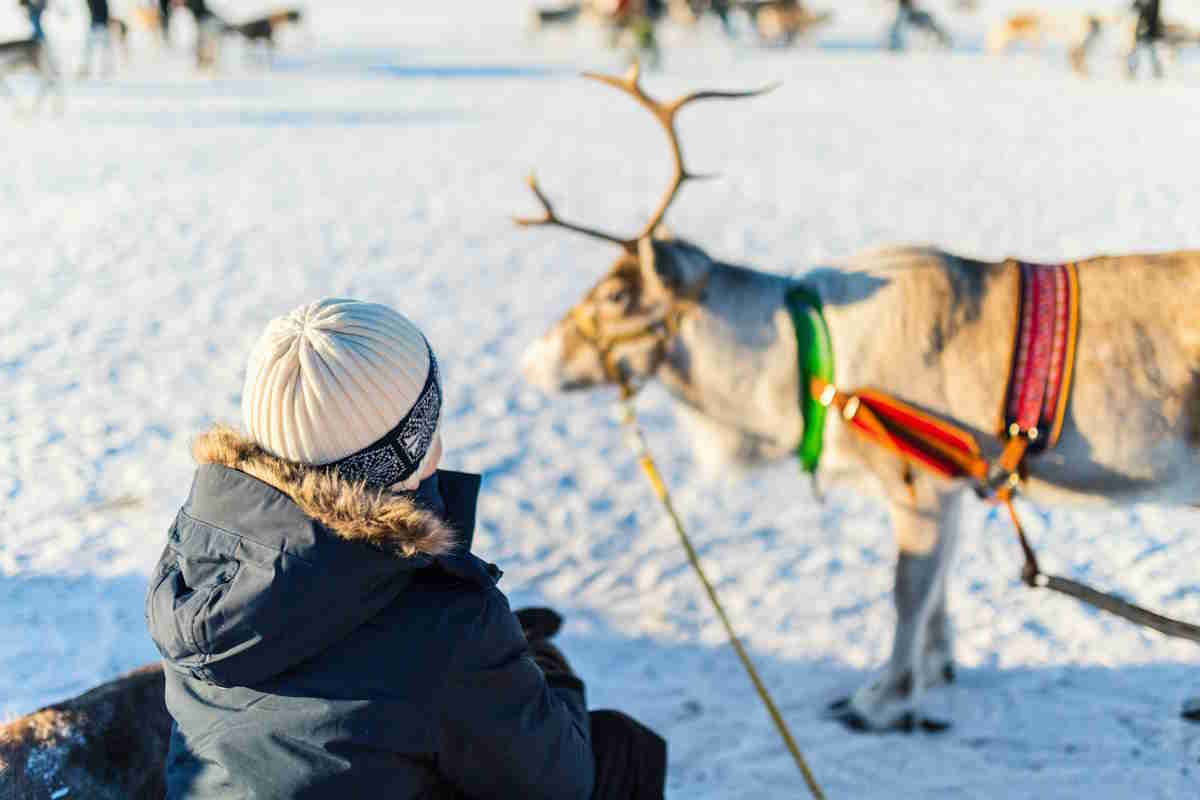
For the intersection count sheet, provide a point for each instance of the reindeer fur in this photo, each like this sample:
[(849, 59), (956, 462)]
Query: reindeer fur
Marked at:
[(107, 744), (388, 521)]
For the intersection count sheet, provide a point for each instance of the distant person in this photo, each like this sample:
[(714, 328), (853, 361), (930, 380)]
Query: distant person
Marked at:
[(1147, 35), (164, 19), (199, 9), (208, 31), (909, 16), (98, 33), (327, 631), (721, 9), (34, 9)]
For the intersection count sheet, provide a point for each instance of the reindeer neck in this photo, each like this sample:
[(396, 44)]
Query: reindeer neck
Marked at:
[(734, 356), (926, 326)]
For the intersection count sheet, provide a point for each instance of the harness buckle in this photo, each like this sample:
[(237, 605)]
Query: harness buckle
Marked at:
[(851, 408), (828, 395)]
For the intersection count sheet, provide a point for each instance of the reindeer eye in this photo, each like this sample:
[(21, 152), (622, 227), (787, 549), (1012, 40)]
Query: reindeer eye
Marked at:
[(617, 296)]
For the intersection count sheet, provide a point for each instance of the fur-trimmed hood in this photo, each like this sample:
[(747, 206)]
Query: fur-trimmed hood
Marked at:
[(389, 521), (270, 563)]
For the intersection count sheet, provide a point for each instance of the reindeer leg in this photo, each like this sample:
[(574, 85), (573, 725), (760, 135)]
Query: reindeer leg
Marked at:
[(928, 537), (937, 658)]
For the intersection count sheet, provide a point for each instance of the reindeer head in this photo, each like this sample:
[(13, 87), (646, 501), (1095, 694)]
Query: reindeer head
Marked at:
[(619, 331)]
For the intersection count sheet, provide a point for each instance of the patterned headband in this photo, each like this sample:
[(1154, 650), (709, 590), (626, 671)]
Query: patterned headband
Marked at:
[(398, 453)]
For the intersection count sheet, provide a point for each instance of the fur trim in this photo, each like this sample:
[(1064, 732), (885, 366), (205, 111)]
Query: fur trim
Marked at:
[(382, 519)]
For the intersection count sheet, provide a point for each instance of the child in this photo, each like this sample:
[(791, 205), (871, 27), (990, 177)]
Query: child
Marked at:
[(327, 631)]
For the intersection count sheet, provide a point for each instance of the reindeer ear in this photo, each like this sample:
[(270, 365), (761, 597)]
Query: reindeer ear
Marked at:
[(673, 266)]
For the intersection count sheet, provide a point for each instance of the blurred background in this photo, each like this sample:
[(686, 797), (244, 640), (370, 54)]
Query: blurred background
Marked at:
[(163, 195)]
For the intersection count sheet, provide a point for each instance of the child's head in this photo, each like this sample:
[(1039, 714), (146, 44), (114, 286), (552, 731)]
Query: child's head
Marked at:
[(346, 383)]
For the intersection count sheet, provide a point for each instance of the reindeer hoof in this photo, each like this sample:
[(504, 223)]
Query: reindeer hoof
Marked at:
[(1191, 710), (843, 711), (934, 725), (853, 721), (909, 722)]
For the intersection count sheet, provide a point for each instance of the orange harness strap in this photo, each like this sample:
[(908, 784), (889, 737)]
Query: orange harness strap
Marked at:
[(922, 440), (917, 438)]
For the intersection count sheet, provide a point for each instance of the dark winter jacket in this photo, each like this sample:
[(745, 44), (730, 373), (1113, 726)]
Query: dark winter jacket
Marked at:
[(326, 641)]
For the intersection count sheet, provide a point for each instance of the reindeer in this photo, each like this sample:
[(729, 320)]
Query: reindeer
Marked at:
[(933, 329)]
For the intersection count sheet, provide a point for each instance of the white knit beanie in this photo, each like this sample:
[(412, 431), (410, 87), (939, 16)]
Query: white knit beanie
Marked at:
[(335, 377)]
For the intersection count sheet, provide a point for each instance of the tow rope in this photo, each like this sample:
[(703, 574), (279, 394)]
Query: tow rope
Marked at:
[(637, 440)]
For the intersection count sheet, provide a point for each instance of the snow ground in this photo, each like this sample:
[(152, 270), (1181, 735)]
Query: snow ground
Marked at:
[(148, 234)]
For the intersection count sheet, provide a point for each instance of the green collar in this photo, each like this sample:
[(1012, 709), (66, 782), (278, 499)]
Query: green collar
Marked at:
[(816, 360)]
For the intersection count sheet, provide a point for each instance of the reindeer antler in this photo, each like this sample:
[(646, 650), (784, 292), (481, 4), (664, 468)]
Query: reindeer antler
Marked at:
[(665, 114), (550, 218)]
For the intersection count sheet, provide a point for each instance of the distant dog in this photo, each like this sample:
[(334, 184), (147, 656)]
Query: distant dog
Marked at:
[(259, 33), (1177, 34), (1036, 28), (782, 21), (1077, 30), (118, 29), (32, 54), (558, 16), (261, 30)]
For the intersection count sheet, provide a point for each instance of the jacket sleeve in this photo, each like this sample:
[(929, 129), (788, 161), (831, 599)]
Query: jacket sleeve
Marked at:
[(505, 730)]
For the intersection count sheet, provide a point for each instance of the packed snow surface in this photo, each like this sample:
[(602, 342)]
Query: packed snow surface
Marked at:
[(148, 234)]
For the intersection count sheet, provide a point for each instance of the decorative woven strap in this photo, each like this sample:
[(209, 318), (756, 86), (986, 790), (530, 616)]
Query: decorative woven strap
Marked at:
[(397, 455), (1043, 353)]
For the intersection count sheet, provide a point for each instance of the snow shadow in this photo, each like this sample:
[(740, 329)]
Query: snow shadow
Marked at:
[(967, 46), (462, 71), (385, 64), (270, 118), (62, 635), (1093, 727)]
